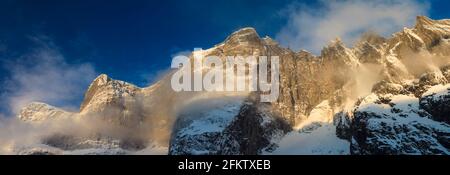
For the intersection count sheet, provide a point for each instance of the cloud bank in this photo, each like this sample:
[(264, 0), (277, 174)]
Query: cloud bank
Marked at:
[(44, 75), (311, 28)]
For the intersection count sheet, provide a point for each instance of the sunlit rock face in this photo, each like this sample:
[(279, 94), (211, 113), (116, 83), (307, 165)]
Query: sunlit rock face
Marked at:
[(36, 112), (383, 96), (112, 100)]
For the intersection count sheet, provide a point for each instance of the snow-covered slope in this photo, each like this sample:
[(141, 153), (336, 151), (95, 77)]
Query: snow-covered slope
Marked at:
[(436, 101), (201, 123), (322, 140), (394, 124), (314, 136)]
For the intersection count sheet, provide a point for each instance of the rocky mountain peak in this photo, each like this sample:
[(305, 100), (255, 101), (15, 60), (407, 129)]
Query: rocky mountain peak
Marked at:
[(37, 111), (423, 20), (314, 90), (369, 48), (244, 36), (336, 42), (101, 80), (426, 27), (427, 34), (335, 45), (337, 51), (371, 38), (104, 89), (269, 41), (245, 31), (303, 54)]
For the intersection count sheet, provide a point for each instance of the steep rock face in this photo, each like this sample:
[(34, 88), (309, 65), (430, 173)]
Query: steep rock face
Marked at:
[(108, 105), (105, 90), (423, 83), (201, 125), (384, 87), (368, 53), (432, 32), (127, 105), (396, 125), (397, 119), (302, 73), (35, 112), (339, 53), (403, 114), (404, 47), (112, 100), (236, 127), (343, 122), (432, 78), (243, 37), (446, 71), (247, 133), (436, 101), (387, 121), (426, 34), (266, 128)]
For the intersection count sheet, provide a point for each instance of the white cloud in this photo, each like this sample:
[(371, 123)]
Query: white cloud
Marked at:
[(151, 77), (312, 27), (44, 75), (182, 52)]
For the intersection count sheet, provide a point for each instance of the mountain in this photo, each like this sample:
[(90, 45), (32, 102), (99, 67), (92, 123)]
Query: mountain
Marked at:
[(382, 96), (36, 112)]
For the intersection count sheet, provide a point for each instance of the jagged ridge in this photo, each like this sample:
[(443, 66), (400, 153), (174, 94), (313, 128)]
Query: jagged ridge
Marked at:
[(301, 74)]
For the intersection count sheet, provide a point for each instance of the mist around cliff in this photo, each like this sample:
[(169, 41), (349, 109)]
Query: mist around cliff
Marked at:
[(149, 130), (158, 118)]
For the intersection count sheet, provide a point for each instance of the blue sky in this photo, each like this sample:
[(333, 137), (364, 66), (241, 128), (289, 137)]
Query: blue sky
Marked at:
[(134, 40), (128, 38)]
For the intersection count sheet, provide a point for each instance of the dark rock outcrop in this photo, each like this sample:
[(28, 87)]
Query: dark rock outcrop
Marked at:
[(438, 105), (249, 133), (396, 126)]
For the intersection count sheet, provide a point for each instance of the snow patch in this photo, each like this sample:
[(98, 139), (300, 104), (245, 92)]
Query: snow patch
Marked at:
[(322, 113), (316, 135), (210, 115), (438, 90), (322, 141)]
